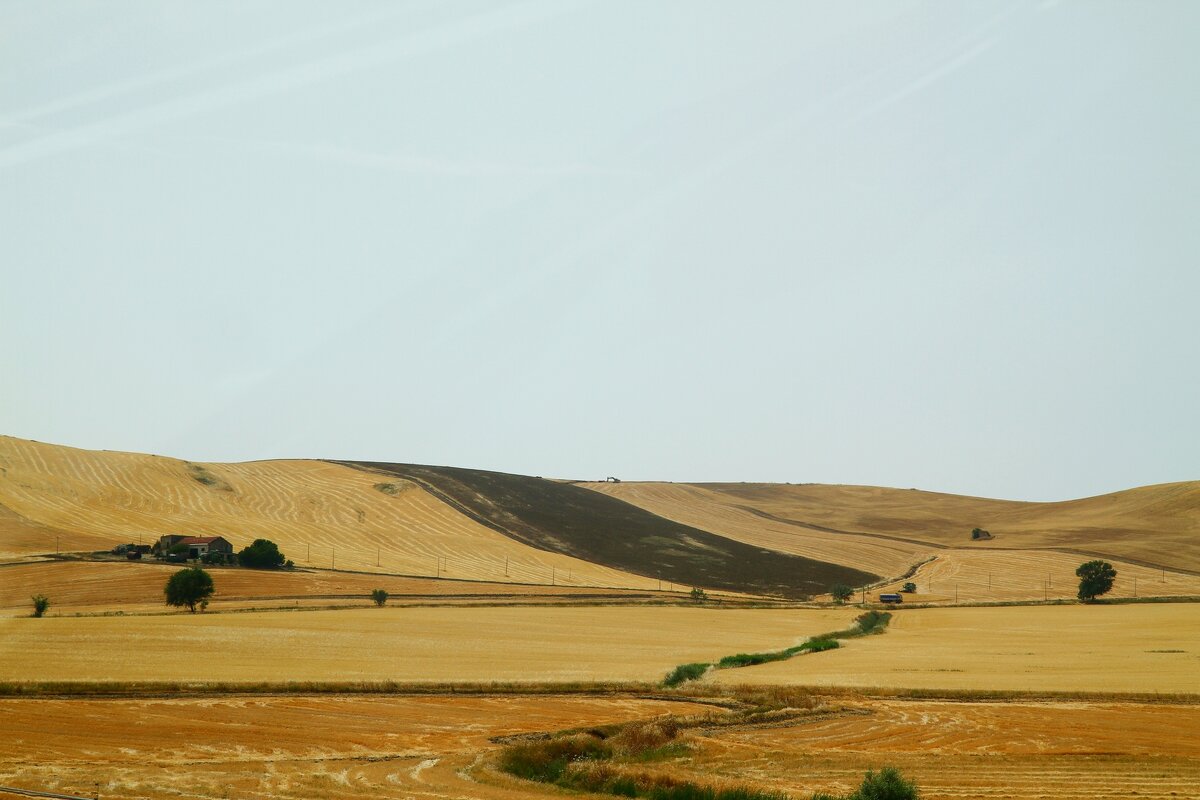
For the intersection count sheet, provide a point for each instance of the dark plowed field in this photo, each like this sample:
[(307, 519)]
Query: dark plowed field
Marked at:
[(561, 518)]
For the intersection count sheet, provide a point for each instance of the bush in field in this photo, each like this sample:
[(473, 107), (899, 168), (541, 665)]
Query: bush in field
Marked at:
[(189, 587), (909, 587), (841, 593), (40, 604), (261, 554), (380, 596), (685, 672), (887, 784), (1095, 578), (698, 595)]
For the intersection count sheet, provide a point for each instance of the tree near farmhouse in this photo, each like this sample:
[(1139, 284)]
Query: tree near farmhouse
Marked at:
[(1095, 579), (261, 554), (189, 587)]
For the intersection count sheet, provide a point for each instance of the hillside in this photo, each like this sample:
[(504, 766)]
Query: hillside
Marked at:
[(320, 514), (562, 518), (1152, 525)]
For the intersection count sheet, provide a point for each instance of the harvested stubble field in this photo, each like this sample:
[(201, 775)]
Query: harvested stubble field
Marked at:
[(881, 529), (103, 587), (479, 644), (972, 576), (1136, 648), (277, 747), (960, 750)]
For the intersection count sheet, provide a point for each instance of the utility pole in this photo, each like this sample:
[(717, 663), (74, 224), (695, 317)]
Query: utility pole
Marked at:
[(377, 556), (308, 553), (956, 593), (506, 566), (332, 557), (1135, 586), (553, 577), (57, 540)]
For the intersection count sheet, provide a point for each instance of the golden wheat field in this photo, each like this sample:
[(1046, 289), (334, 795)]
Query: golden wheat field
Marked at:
[(441, 746), (972, 576), (961, 750), (320, 514), (1146, 648), (1155, 524), (437, 644), (106, 587), (282, 747)]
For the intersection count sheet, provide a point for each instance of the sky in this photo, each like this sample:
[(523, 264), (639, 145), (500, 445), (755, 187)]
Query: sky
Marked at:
[(944, 245)]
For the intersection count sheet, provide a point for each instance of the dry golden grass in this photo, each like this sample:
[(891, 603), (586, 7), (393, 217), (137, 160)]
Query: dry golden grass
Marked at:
[(1155, 524), (320, 514), (1143, 648), (282, 747), (1066, 751), (536, 644), (93, 587), (1015, 575), (713, 511)]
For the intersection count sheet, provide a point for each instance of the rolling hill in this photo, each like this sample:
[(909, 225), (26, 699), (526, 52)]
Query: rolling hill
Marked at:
[(1156, 526), (413, 520)]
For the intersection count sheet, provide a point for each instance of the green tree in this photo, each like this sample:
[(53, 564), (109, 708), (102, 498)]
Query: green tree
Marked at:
[(1095, 578), (261, 554), (910, 587), (40, 604), (189, 587), (841, 593), (698, 595), (380, 596)]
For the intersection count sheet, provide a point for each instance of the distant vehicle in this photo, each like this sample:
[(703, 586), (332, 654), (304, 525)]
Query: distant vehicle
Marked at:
[(890, 598)]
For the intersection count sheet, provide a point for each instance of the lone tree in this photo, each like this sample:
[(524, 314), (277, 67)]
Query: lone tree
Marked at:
[(1095, 579), (841, 593), (262, 554), (189, 587), (40, 604), (380, 596), (909, 587)]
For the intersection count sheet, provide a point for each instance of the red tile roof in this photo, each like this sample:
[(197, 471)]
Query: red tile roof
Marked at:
[(198, 539)]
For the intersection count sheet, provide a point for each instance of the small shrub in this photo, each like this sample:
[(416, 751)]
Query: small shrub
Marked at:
[(40, 604), (873, 621), (685, 672), (698, 595), (887, 784), (380, 596), (546, 761), (638, 738), (388, 488), (820, 645), (909, 587)]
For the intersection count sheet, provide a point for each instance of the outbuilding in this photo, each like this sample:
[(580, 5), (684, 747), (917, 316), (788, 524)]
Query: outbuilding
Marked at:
[(200, 546)]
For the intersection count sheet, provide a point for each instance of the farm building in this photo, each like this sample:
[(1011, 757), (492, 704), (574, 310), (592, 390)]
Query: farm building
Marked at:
[(199, 546)]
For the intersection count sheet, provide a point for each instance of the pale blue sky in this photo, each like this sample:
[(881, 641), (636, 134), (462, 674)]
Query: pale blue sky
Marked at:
[(946, 245)]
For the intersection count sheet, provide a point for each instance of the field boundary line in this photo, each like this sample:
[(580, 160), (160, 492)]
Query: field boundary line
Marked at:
[(35, 793)]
